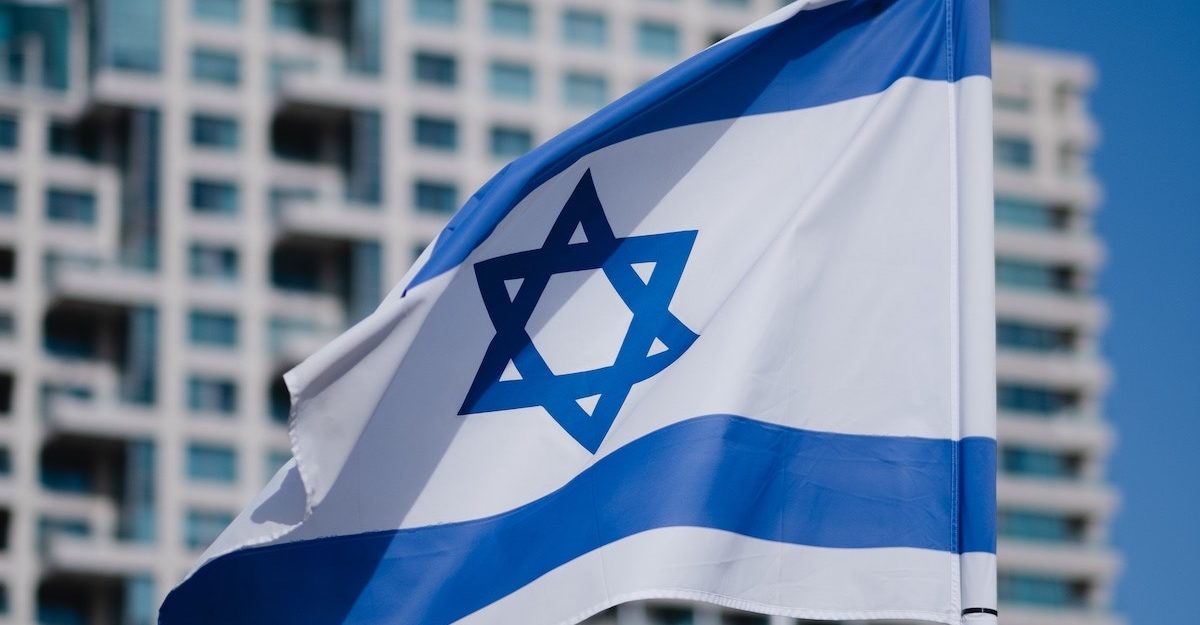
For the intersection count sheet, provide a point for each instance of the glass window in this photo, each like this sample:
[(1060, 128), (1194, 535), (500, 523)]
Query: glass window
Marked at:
[(431, 68), (212, 328), (1041, 590), (69, 206), (1038, 400), (436, 132), (209, 394), (1029, 214), (275, 460), (129, 34), (436, 197), (216, 67), (585, 28), (50, 26), (585, 90), (201, 527), (510, 142), (226, 11), (213, 262), (1036, 462), (738, 4), (511, 81), (8, 325), (514, 19), (1033, 337), (435, 11), (1039, 525), (669, 615), (657, 39), (213, 131), (1013, 152), (216, 197), (5, 462), (211, 463), (301, 16), (10, 131), (8, 199), (1036, 276)]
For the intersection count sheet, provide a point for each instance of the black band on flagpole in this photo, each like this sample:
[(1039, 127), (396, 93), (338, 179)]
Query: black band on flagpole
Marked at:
[(980, 611)]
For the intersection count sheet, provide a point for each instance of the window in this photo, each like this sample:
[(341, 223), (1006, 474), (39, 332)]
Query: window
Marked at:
[(1035, 276), (8, 199), (1037, 462), (213, 262), (210, 394), (8, 264), (669, 615), (585, 28), (436, 197), (5, 463), (510, 142), (212, 328), (436, 132), (225, 11), (201, 527), (1041, 590), (10, 131), (67, 206), (1041, 526), (435, 11), (212, 131), (659, 40), (514, 19), (737, 4), (1033, 337), (510, 81), (275, 460), (214, 197), (585, 90), (1028, 214), (8, 325), (211, 463), (216, 67), (430, 68), (1013, 152), (1037, 400), (301, 16)]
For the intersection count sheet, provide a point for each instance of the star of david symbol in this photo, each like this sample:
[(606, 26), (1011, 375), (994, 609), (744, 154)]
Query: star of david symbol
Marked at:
[(643, 270)]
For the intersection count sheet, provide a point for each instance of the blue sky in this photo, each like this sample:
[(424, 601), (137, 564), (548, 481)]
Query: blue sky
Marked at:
[(1147, 103)]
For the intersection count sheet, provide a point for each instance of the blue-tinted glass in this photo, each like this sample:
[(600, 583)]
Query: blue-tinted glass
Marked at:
[(211, 463), (510, 18), (212, 131), (435, 11), (364, 165), (8, 199), (302, 16), (216, 395), (274, 461), (436, 197), (213, 66), (1038, 525), (1033, 399), (740, 4), (1013, 152), (72, 140), (435, 69), (1033, 337), (201, 527), (212, 328), (139, 377), (70, 206), (1029, 214), (140, 601), (227, 11), (585, 28), (364, 42), (511, 81), (129, 34), (656, 39), (1041, 590), (51, 613), (1046, 463), (32, 32), (10, 130), (214, 197), (585, 90), (436, 132), (1030, 275), (669, 615), (213, 262), (509, 142), (5, 461)]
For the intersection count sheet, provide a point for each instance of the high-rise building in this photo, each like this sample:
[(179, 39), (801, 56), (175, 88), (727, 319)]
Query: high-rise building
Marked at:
[(196, 194)]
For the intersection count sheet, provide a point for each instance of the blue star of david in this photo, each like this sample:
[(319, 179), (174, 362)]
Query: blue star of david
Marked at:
[(655, 339)]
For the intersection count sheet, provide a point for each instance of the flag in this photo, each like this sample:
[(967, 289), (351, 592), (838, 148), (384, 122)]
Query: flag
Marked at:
[(729, 339)]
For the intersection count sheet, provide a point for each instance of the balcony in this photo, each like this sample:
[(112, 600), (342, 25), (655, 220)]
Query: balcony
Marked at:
[(1050, 246), (101, 417), (324, 216), (89, 281), (1023, 615), (97, 556), (1093, 562), (1089, 434), (1062, 495), (312, 71), (1051, 308), (1059, 370)]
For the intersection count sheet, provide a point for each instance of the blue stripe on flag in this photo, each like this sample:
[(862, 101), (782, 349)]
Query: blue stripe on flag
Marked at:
[(723, 472), (846, 50)]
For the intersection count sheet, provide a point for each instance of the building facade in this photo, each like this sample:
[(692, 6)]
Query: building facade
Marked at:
[(196, 194)]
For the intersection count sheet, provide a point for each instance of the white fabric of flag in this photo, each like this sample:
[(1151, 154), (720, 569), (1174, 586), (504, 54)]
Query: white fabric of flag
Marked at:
[(730, 339)]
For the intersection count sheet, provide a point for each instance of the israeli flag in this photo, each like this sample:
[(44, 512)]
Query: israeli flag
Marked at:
[(728, 340)]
